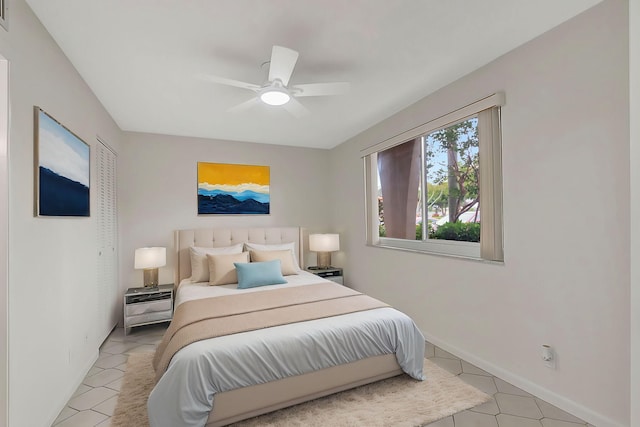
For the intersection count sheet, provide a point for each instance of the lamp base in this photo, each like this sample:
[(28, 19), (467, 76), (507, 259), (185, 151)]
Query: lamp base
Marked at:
[(324, 260), (150, 277)]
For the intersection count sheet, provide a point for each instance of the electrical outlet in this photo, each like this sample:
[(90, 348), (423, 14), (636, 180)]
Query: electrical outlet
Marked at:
[(548, 356)]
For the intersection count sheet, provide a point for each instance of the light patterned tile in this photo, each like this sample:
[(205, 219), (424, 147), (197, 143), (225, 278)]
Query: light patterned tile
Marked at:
[(481, 382), (151, 339), (451, 365), (520, 406), (474, 419), (441, 353), (445, 422), (117, 335), (103, 378), (145, 348), (82, 388), (549, 422), (512, 407), (550, 411), (111, 361), (490, 407), (505, 420), (471, 369), (94, 370), (64, 414), (84, 419), (505, 387), (91, 398), (118, 347), (107, 406), (116, 385)]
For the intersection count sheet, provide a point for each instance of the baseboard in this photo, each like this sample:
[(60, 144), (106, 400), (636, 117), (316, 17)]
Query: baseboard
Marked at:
[(543, 393), (77, 380)]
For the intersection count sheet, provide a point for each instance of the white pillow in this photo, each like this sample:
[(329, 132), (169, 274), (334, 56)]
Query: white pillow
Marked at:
[(199, 264), (277, 247), (222, 270), (287, 262)]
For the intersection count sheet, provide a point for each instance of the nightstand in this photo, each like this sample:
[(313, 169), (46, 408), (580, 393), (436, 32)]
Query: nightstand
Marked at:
[(332, 273), (144, 306)]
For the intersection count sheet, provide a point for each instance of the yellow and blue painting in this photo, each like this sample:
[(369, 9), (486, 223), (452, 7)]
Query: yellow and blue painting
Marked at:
[(231, 189), (63, 169)]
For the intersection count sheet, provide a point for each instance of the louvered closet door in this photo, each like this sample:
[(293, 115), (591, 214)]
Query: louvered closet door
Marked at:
[(107, 241)]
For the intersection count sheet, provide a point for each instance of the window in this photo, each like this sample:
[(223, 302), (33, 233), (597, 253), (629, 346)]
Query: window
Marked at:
[(426, 188), (3, 14)]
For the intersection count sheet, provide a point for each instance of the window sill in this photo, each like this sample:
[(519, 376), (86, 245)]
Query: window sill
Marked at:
[(435, 253)]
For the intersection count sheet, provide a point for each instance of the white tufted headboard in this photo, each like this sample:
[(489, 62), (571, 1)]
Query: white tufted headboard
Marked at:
[(217, 237)]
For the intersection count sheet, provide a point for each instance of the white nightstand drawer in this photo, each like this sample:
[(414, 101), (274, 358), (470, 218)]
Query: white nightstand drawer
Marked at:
[(147, 307), (337, 279), (147, 318), (332, 273)]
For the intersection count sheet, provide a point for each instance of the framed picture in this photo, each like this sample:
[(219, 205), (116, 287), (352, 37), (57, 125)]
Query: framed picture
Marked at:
[(230, 189), (62, 169)]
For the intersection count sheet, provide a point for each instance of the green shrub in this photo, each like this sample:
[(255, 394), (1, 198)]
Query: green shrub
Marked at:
[(430, 231), (463, 232)]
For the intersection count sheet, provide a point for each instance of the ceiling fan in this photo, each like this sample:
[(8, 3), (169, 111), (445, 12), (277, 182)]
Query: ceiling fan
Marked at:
[(276, 91)]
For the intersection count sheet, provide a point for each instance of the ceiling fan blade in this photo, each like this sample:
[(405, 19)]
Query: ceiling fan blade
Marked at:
[(321, 89), (230, 82), (295, 108), (283, 60), (244, 106)]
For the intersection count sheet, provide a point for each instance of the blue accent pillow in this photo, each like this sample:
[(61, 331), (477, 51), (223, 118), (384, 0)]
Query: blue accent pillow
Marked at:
[(254, 274)]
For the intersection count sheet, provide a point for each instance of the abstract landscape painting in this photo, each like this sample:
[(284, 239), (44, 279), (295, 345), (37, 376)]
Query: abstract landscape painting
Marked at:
[(233, 189), (62, 173)]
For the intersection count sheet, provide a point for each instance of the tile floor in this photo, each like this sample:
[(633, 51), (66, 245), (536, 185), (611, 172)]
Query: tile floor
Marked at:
[(95, 399)]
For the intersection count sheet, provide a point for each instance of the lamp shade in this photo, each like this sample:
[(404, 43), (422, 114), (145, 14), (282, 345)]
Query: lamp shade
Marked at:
[(150, 257), (324, 242)]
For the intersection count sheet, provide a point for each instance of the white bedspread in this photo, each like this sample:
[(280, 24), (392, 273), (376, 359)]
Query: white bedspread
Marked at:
[(185, 394)]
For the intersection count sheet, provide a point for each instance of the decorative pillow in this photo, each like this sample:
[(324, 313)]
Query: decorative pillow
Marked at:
[(222, 270), (276, 247), (256, 274), (287, 262), (199, 263)]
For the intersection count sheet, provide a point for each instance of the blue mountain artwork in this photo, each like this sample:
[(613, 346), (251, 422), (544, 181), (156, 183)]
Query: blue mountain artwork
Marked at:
[(221, 202), (60, 196), (245, 195)]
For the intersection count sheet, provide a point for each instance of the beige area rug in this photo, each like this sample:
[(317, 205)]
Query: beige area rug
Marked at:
[(399, 401)]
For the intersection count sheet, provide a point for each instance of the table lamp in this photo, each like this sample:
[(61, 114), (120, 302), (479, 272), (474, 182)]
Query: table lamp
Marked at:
[(324, 244), (150, 259)]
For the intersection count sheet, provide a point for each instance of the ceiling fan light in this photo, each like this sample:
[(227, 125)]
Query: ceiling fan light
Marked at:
[(275, 97)]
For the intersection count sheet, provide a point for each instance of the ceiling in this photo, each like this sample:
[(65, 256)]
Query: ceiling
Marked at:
[(144, 59)]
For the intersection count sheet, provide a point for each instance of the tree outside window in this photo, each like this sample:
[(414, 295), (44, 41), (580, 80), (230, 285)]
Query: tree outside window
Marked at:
[(450, 174)]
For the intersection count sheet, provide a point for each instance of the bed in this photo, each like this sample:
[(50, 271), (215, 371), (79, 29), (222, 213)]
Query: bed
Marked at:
[(219, 380)]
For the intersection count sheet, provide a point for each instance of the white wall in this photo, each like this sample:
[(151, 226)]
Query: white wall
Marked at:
[(4, 236), (565, 279), (158, 182), (52, 261), (634, 77)]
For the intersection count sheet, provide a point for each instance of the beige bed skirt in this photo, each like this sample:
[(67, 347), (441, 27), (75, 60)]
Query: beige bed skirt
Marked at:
[(247, 402)]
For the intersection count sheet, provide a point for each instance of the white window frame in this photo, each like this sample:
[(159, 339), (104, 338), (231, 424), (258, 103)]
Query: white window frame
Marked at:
[(490, 247)]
